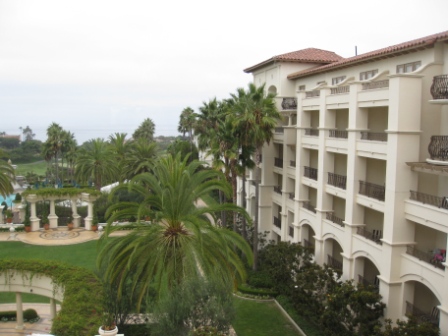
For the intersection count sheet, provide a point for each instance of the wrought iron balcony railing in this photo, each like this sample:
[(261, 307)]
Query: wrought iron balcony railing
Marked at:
[(437, 201), (291, 195), (335, 219), (372, 190), (311, 94), (439, 87), (339, 181), (421, 316), (278, 190), (307, 244), (374, 136), (278, 162), (376, 85), (308, 206), (289, 103), (291, 231), (432, 258), (277, 222), (339, 134), (310, 173), (374, 284), (312, 131), (438, 147), (374, 235), (340, 89), (333, 263)]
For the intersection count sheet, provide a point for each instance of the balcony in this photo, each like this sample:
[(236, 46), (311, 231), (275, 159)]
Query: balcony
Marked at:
[(291, 231), (292, 163), (437, 201), (339, 181), (311, 131), (312, 94), (289, 103), (278, 162), (376, 85), (435, 257), (291, 196), (308, 206), (280, 130), (333, 263), (340, 89), (374, 136), (438, 150), (333, 218), (439, 87), (308, 245), (372, 283), (277, 222), (338, 134), (374, 235), (422, 316), (311, 173), (278, 189), (372, 190)]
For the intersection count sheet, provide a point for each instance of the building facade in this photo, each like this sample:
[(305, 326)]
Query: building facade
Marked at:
[(358, 168)]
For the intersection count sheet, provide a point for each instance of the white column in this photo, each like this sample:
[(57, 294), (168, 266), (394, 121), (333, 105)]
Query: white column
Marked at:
[(52, 216), (52, 308), (1, 213), (19, 309), (35, 222)]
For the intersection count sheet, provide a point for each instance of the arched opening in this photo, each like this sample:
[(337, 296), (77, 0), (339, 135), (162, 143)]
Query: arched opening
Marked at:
[(333, 251), (308, 234), (272, 90), (366, 272), (421, 302)]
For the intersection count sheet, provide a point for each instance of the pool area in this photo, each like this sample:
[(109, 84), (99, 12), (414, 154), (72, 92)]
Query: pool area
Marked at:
[(8, 199)]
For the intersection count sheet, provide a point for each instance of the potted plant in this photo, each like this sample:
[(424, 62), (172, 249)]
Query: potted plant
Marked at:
[(94, 223), (45, 222), (70, 223), (108, 326), (8, 214)]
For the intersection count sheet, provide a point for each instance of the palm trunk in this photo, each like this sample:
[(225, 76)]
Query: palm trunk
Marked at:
[(243, 204), (257, 196)]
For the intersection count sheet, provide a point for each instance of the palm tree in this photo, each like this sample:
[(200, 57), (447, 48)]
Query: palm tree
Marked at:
[(52, 147), (255, 121), (182, 243), (96, 161), (186, 122), (120, 146), (145, 130), (207, 121), (140, 158), (68, 145), (7, 178)]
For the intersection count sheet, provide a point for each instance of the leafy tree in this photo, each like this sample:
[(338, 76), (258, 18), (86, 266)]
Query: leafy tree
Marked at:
[(183, 241), (184, 148), (27, 133), (145, 130), (7, 178), (9, 143), (96, 162), (407, 328)]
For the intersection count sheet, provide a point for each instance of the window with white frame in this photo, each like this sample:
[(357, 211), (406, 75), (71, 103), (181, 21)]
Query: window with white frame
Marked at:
[(367, 74), (408, 67), (337, 80)]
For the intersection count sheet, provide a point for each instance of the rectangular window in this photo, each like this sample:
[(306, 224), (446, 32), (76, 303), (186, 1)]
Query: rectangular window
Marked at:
[(367, 74), (408, 67), (301, 87), (337, 80)]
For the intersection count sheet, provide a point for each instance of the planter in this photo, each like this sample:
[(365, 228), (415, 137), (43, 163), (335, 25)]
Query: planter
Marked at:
[(70, 226), (94, 227), (9, 220), (27, 228), (46, 226), (112, 332)]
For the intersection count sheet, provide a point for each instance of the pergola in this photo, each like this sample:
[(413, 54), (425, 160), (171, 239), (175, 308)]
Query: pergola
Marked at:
[(87, 197)]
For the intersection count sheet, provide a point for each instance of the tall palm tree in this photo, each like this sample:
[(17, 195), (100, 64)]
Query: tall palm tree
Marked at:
[(182, 242), (96, 161), (52, 146), (256, 118), (120, 147), (7, 178), (186, 122), (145, 130), (68, 144), (207, 121)]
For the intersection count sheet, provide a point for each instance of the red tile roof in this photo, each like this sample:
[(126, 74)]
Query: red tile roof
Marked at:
[(309, 55), (392, 51)]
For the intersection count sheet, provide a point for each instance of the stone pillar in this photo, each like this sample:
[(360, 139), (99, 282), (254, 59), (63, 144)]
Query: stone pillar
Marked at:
[(76, 217), (19, 309), (1, 213), (52, 308), (52, 216), (35, 222), (88, 219)]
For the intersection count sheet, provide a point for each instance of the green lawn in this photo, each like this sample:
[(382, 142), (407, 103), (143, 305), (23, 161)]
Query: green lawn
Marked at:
[(261, 319), (38, 168)]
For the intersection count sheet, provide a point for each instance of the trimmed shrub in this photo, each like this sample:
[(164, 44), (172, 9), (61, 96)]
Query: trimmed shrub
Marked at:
[(245, 289), (30, 314)]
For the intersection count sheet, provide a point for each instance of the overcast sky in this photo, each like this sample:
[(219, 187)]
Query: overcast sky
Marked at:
[(98, 67)]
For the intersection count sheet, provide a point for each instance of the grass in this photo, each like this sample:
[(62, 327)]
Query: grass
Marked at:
[(39, 168), (261, 319)]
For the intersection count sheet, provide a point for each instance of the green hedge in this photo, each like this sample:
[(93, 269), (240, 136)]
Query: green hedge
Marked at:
[(8, 315), (81, 308), (245, 289), (18, 229)]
